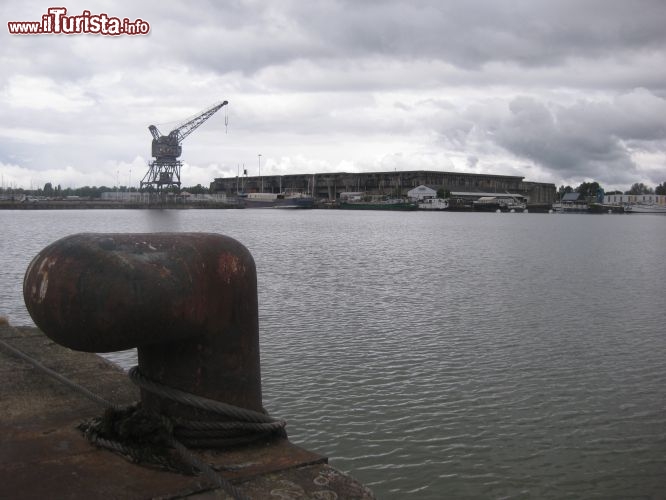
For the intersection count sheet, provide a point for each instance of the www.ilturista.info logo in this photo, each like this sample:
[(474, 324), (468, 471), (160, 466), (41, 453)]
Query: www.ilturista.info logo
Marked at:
[(57, 22)]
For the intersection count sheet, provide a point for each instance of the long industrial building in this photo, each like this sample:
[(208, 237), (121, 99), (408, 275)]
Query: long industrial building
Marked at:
[(329, 186)]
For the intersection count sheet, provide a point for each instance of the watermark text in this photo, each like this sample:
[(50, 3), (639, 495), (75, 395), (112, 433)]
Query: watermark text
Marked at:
[(57, 22)]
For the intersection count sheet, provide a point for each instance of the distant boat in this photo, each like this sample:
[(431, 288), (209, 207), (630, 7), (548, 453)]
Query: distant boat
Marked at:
[(296, 200), (645, 209), (486, 204), (601, 208), (571, 207), (433, 204), (394, 204), (497, 204), (277, 200), (459, 204), (515, 206)]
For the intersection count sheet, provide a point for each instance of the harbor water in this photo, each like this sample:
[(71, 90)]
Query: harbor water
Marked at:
[(442, 355)]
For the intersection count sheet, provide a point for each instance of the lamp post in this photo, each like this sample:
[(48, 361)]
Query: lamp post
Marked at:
[(261, 178)]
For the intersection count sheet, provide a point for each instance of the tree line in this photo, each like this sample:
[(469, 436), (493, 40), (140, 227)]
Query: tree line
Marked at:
[(594, 189), (51, 191)]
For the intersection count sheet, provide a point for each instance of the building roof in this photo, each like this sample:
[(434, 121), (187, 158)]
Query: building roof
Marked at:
[(571, 197), (496, 195), (422, 187)]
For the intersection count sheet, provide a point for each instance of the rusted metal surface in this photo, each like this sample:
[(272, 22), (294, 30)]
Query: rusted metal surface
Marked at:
[(187, 301)]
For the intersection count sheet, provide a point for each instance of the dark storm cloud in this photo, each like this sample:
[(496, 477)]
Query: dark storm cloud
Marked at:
[(247, 37), (470, 33), (546, 137), (587, 139)]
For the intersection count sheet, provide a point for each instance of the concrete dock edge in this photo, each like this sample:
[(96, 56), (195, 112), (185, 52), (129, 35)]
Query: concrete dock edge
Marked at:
[(44, 455)]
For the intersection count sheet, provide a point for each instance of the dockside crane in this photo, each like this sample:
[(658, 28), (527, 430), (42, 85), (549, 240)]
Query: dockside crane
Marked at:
[(164, 171)]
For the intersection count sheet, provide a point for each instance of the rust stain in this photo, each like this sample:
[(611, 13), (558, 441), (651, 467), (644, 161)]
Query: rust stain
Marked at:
[(164, 272), (228, 266), (41, 283)]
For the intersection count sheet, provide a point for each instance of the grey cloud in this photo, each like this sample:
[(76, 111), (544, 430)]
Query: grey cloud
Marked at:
[(476, 32), (588, 139), (246, 37)]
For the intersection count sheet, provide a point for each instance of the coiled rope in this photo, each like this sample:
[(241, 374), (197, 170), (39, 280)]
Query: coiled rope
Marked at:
[(250, 426)]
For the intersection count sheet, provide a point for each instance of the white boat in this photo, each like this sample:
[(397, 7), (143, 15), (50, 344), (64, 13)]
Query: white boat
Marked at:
[(645, 209), (516, 206), (433, 204), (571, 207), (487, 204), (499, 204)]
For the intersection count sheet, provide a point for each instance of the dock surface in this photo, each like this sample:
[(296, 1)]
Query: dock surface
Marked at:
[(44, 455)]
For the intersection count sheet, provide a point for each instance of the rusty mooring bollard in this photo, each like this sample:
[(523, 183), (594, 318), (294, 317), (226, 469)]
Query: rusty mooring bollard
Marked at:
[(187, 301)]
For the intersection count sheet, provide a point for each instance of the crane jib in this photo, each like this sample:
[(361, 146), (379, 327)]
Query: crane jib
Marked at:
[(186, 128), (165, 169)]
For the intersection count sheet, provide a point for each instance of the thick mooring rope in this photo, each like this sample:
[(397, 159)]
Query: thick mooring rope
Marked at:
[(248, 425), (250, 418)]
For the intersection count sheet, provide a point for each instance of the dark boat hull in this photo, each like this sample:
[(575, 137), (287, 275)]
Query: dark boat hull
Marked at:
[(378, 206)]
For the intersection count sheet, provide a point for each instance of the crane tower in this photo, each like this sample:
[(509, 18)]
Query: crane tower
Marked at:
[(164, 170)]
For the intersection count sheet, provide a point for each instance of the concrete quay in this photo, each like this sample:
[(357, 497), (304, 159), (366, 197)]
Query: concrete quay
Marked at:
[(44, 455)]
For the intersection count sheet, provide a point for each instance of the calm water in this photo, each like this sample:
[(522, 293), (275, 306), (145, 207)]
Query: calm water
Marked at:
[(447, 355)]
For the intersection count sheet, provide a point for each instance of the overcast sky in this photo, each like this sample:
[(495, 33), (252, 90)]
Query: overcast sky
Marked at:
[(560, 91)]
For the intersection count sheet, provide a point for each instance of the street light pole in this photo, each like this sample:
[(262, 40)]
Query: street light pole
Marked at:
[(261, 178)]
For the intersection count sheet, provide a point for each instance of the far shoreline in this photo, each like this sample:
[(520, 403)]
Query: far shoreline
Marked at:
[(103, 204)]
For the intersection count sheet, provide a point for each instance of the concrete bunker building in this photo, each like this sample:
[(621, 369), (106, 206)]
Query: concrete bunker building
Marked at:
[(329, 186)]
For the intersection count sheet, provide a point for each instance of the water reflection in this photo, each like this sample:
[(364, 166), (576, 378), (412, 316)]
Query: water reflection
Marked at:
[(159, 221)]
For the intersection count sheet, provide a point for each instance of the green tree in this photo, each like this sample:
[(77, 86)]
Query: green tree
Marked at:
[(198, 189), (562, 190), (90, 192), (640, 188), (443, 193), (48, 189), (588, 189), (661, 188)]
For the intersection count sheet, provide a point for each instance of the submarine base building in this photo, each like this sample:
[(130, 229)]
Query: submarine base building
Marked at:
[(329, 186)]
